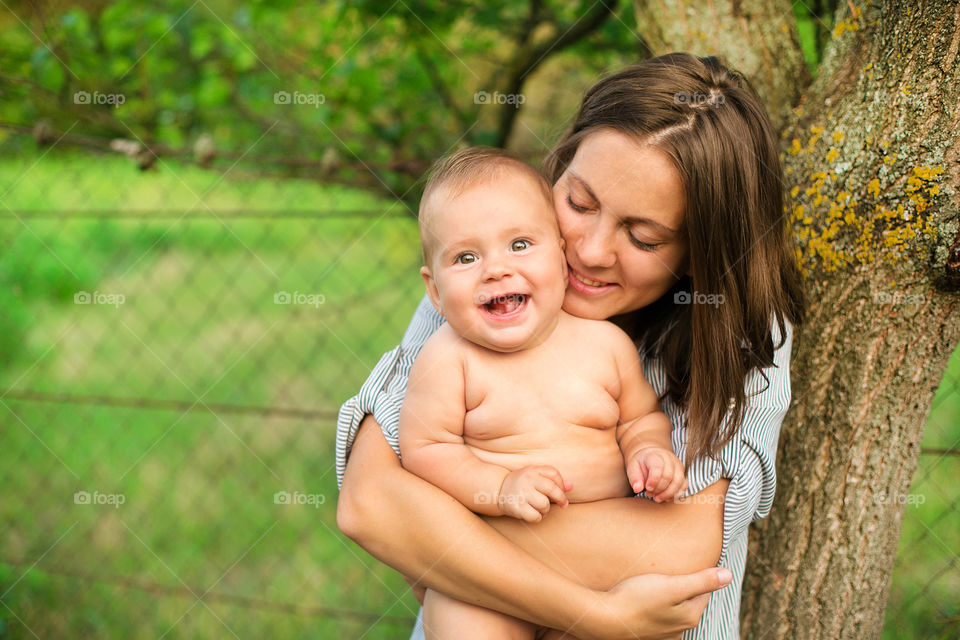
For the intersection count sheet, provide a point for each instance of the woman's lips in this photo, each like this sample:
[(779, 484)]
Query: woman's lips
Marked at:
[(587, 286)]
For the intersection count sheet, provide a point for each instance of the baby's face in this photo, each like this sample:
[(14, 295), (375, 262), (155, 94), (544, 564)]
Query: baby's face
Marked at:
[(497, 272)]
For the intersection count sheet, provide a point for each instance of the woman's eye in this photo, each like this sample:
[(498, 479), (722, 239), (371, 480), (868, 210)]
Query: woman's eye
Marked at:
[(519, 245), (640, 244), (466, 258), (576, 207)]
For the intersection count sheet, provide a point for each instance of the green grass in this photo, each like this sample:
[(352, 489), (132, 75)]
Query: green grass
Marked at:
[(926, 580), (199, 320), (198, 324)]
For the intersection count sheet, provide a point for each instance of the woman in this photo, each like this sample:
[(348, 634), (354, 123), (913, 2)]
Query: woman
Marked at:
[(668, 192)]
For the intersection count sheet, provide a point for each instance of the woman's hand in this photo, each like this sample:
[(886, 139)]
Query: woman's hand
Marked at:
[(414, 527), (655, 606)]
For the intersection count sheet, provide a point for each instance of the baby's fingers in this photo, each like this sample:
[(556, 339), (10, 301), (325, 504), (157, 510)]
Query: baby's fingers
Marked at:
[(676, 486), (552, 474), (654, 464), (528, 514), (666, 478), (549, 488), (635, 475)]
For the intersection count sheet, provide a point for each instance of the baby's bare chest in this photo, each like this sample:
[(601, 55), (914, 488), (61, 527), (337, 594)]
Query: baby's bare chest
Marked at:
[(546, 396)]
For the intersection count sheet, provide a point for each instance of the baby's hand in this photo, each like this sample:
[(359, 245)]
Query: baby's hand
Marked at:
[(658, 471), (526, 493)]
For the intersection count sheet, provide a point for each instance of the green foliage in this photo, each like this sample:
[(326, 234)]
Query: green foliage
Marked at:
[(373, 81)]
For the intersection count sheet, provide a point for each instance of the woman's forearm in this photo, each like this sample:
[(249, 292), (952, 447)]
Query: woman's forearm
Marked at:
[(424, 533), (627, 537)]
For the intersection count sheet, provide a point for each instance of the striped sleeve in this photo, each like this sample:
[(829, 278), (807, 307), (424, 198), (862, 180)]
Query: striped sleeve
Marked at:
[(748, 461), (382, 394)]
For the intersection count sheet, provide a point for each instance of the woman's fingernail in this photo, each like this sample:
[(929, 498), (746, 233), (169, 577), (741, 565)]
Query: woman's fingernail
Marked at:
[(724, 576)]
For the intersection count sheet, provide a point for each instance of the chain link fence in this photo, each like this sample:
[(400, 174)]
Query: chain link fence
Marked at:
[(175, 343)]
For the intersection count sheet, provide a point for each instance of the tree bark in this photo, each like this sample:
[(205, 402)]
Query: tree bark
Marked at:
[(873, 168), (757, 37)]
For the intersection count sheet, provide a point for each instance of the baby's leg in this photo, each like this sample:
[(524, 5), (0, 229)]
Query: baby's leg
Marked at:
[(447, 619)]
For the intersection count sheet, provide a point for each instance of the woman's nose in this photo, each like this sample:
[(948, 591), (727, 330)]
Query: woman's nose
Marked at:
[(594, 247)]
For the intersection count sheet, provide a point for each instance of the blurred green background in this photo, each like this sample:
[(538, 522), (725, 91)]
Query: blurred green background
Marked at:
[(188, 385)]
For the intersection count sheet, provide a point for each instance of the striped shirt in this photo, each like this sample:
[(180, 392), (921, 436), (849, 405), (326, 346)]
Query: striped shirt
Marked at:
[(748, 460)]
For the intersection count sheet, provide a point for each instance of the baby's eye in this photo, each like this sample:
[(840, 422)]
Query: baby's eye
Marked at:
[(519, 245), (466, 258)]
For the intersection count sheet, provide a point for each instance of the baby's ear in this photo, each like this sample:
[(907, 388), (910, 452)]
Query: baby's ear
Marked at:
[(431, 285)]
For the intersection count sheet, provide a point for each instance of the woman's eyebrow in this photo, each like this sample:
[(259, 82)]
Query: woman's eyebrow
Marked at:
[(627, 220)]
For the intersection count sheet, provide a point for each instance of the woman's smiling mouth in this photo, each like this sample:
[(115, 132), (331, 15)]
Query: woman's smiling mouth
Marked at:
[(587, 285)]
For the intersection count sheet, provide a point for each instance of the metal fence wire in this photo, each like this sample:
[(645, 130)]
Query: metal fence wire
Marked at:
[(175, 344)]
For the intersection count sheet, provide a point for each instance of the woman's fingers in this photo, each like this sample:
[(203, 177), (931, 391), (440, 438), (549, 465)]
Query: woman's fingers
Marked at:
[(691, 587), (661, 606)]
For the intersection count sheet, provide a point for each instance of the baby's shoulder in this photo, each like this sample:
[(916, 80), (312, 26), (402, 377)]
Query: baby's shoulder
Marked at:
[(597, 332), (445, 345), (443, 340), (441, 352)]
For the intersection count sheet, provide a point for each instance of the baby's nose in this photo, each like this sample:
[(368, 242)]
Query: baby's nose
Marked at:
[(496, 269)]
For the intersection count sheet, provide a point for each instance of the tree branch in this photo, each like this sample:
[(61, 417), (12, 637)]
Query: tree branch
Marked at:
[(530, 58)]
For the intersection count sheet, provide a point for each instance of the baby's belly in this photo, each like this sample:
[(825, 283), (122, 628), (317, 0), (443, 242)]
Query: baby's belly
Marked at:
[(589, 458)]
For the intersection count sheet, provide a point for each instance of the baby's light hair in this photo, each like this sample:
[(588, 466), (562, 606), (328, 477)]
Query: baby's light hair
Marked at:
[(461, 170)]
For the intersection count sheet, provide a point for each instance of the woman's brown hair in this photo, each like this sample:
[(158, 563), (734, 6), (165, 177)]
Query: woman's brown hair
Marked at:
[(712, 126)]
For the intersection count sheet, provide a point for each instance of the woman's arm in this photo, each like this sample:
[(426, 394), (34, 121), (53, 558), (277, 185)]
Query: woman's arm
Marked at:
[(423, 532), (627, 536)]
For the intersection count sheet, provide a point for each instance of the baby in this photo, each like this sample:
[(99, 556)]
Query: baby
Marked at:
[(513, 404)]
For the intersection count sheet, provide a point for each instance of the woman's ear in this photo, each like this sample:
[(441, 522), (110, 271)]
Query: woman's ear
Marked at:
[(431, 286)]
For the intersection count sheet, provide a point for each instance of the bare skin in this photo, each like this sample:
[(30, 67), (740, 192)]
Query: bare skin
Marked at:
[(405, 521), (620, 211)]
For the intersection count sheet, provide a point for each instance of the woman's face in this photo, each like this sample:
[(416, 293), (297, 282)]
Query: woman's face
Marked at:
[(620, 209)]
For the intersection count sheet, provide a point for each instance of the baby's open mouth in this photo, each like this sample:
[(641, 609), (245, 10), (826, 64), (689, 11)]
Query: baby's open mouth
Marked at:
[(505, 304)]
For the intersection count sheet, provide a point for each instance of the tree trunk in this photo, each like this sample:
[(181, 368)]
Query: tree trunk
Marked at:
[(873, 167), (756, 37)]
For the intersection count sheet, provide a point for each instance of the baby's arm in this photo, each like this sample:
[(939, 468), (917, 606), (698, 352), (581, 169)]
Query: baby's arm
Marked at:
[(644, 430), (432, 445)]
